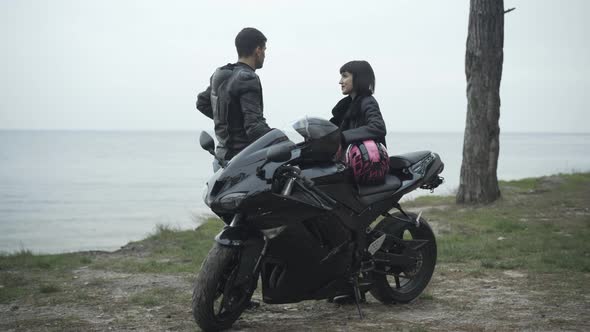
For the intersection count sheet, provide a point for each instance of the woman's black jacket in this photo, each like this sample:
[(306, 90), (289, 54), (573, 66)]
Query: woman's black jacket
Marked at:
[(359, 119)]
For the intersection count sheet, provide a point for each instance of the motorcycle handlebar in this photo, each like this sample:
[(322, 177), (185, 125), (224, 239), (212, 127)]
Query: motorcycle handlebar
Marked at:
[(308, 183), (296, 173)]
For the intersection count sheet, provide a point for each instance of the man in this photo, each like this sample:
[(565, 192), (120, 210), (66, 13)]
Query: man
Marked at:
[(234, 97)]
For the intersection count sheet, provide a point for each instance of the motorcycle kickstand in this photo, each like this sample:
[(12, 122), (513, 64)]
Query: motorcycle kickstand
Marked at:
[(357, 295)]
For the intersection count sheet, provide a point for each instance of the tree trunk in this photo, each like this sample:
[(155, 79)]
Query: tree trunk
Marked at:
[(483, 70)]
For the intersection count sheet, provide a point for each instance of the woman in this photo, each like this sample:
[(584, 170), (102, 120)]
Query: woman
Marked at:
[(361, 123), (358, 114)]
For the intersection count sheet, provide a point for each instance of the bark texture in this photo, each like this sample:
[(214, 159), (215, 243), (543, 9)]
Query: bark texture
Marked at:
[(484, 57)]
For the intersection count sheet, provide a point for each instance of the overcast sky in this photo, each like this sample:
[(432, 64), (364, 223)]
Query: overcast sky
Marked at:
[(140, 64)]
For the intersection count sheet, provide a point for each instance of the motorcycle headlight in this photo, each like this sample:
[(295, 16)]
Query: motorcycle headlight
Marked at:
[(231, 201)]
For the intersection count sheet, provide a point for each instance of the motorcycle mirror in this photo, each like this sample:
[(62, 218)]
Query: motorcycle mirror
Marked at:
[(207, 142), (279, 153)]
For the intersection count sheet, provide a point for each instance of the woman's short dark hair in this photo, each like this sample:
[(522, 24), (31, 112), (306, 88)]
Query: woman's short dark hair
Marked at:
[(363, 77), (248, 40)]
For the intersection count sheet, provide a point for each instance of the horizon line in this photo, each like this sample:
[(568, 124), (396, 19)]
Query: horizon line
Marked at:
[(210, 130)]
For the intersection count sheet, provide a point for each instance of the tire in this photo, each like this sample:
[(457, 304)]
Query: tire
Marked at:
[(214, 285), (402, 285)]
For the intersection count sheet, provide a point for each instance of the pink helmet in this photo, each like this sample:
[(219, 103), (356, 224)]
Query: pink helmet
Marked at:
[(369, 162)]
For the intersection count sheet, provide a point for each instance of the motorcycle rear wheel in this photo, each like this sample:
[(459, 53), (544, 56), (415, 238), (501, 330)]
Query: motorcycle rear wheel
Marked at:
[(217, 303), (402, 285)]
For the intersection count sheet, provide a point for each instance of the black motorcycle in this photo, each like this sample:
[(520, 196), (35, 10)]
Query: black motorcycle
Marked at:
[(295, 218)]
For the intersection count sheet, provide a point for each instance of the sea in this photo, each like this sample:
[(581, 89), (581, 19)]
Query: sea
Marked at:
[(64, 191)]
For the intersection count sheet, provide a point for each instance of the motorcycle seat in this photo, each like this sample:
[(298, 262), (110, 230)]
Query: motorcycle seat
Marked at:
[(392, 183), (407, 159)]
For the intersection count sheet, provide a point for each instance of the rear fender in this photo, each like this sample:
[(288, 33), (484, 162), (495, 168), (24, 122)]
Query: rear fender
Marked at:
[(431, 179), (435, 168)]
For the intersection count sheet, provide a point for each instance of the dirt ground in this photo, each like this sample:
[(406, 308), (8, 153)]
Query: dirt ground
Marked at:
[(455, 300)]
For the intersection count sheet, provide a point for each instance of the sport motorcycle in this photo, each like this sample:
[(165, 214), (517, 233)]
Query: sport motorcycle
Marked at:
[(299, 226)]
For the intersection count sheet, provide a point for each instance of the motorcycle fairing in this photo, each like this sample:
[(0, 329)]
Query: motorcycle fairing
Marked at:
[(293, 270), (240, 174)]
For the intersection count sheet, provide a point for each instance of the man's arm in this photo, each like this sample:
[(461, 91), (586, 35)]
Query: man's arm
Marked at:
[(204, 102), (254, 121), (250, 93)]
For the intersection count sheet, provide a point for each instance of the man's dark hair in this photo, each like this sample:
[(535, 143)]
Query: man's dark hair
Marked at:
[(363, 77), (248, 40)]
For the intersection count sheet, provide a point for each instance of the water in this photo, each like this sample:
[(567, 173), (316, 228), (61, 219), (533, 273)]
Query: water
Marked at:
[(65, 191), (74, 190)]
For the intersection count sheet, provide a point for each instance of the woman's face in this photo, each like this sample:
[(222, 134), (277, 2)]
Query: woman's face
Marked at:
[(346, 83)]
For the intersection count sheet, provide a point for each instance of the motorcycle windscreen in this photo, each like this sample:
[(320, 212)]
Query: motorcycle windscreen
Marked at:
[(314, 128), (322, 139)]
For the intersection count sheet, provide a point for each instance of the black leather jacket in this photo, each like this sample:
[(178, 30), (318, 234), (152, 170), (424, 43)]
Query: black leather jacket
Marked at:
[(359, 119), (234, 101)]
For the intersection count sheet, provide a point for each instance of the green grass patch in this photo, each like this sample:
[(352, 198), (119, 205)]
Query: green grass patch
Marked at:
[(25, 259), (168, 251), (12, 286), (66, 323), (522, 184), (22, 284), (48, 289), (154, 297), (430, 200), (543, 226), (8, 294)]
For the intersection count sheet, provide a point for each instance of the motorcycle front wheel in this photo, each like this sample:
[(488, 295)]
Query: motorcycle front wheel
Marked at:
[(217, 302), (403, 284)]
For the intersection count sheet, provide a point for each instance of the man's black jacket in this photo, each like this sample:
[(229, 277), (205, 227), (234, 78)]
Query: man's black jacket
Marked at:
[(234, 101)]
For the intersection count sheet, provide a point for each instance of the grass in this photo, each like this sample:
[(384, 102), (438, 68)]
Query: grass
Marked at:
[(48, 289), (25, 259), (9, 293), (24, 274), (156, 296), (66, 323), (430, 200), (168, 251), (540, 225)]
